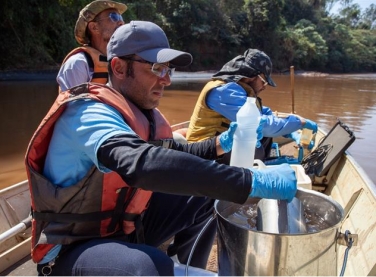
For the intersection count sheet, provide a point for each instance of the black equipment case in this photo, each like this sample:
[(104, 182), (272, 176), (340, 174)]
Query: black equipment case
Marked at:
[(328, 151)]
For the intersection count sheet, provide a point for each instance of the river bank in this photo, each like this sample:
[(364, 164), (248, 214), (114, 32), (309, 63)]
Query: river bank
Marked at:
[(46, 75), (28, 75), (50, 74)]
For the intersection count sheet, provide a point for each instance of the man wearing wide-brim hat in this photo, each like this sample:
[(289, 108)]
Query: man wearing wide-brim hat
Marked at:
[(95, 25)]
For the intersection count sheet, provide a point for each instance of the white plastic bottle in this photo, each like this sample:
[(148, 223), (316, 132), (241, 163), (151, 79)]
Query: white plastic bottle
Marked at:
[(245, 137)]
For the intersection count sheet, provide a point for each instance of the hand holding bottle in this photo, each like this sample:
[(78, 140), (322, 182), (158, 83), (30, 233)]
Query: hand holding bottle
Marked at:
[(226, 138)]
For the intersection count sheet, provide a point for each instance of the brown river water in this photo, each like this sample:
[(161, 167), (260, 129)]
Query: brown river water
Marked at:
[(350, 98)]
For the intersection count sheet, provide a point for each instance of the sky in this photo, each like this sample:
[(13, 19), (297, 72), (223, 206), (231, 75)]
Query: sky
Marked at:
[(362, 3)]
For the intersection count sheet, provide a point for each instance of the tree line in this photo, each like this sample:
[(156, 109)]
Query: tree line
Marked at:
[(37, 34)]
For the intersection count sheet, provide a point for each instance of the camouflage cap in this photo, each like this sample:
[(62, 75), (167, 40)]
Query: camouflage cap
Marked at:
[(251, 64), (88, 13)]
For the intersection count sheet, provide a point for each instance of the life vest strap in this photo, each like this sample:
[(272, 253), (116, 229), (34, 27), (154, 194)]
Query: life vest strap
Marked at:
[(165, 143), (100, 75), (86, 217), (90, 62), (119, 210), (102, 58), (140, 235), (66, 218)]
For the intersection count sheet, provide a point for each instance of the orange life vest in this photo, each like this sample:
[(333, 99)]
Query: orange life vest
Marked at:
[(95, 60), (94, 206)]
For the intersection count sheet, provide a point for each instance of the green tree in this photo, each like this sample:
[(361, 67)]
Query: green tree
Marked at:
[(305, 46), (199, 26), (342, 55), (265, 24), (368, 18), (350, 15), (295, 10), (141, 10), (37, 34)]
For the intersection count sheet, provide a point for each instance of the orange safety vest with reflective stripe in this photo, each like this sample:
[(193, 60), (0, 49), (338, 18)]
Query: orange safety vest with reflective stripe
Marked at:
[(100, 204)]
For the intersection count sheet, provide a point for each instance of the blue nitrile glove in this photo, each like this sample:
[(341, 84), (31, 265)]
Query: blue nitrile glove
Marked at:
[(275, 182), (227, 138), (311, 125), (295, 136), (259, 131)]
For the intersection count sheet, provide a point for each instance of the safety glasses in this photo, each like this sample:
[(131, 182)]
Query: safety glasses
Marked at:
[(161, 70), (265, 83), (115, 17), (158, 69)]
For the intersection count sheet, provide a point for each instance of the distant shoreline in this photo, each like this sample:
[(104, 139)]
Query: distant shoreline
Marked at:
[(28, 75), (46, 75)]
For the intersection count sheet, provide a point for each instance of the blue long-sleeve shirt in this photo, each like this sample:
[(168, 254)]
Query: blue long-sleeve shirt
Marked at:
[(230, 97)]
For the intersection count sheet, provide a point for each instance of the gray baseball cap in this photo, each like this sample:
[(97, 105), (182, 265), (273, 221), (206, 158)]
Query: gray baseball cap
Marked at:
[(147, 40)]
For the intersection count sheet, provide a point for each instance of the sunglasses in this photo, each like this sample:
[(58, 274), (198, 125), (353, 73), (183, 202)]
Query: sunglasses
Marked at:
[(158, 69), (265, 83), (115, 17)]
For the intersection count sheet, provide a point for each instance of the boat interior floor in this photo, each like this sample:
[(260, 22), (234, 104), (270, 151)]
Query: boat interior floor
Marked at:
[(24, 267)]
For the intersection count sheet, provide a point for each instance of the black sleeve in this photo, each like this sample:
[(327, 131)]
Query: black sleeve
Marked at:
[(145, 166), (205, 149)]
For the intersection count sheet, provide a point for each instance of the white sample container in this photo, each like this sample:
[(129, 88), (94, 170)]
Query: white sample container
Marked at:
[(245, 136)]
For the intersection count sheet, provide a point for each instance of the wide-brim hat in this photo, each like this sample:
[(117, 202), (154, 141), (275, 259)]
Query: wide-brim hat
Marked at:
[(88, 14), (147, 40)]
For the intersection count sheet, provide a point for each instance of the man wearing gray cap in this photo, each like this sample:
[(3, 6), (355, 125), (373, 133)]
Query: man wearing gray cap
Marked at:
[(109, 184), (244, 76), (95, 25)]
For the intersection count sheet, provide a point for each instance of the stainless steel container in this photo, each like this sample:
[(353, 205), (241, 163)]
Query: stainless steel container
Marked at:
[(242, 251)]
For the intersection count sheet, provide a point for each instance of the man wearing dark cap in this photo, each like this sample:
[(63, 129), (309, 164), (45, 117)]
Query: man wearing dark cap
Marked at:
[(109, 184), (95, 25), (244, 76)]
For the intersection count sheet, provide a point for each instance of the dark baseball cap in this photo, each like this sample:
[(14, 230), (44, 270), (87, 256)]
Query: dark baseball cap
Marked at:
[(261, 62), (147, 40), (252, 63), (89, 12)]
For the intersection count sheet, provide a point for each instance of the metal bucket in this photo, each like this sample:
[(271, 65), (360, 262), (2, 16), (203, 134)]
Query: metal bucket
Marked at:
[(245, 251)]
